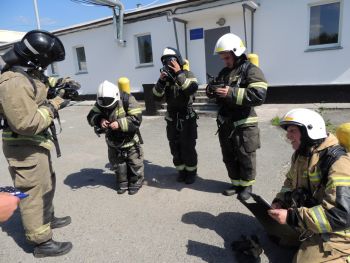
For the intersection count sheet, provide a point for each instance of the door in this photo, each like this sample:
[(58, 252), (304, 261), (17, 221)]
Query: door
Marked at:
[(213, 62)]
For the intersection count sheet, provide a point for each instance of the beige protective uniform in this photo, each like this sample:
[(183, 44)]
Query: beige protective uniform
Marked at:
[(26, 145)]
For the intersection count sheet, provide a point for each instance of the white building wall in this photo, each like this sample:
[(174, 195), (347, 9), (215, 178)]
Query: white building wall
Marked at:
[(196, 48), (281, 40), (108, 61)]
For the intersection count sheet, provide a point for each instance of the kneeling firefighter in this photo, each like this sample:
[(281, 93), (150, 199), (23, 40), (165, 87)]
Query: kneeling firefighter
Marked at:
[(177, 86), (27, 115), (119, 116), (315, 197)]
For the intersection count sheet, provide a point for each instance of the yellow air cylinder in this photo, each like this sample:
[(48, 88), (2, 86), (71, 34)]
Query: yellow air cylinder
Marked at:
[(124, 84), (254, 59), (343, 135), (186, 65)]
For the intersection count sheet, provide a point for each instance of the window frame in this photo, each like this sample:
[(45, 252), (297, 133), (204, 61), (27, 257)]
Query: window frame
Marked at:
[(79, 71), (138, 62), (52, 72), (324, 46)]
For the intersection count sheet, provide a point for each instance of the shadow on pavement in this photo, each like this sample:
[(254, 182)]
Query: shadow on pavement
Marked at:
[(14, 228), (155, 176), (165, 177), (230, 226), (91, 178)]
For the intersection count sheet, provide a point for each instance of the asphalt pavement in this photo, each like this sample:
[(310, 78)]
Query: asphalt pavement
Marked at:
[(166, 221)]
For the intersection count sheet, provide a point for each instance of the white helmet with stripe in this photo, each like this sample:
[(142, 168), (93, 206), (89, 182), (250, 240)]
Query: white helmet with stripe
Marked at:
[(230, 42), (108, 94), (311, 120)]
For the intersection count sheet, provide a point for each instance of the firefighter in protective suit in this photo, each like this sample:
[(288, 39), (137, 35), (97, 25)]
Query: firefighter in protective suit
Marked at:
[(26, 115), (315, 197), (178, 85), (239, 87), (119, 116)]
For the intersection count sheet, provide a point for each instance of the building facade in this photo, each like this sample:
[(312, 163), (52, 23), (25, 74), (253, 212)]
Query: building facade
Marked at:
[(299, 43)]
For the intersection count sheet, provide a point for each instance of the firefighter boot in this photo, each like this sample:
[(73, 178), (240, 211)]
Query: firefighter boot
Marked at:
[(52, 248), (135, 187), (231, 191), (58, 222), (122, 178), (244, 194), (182, 176), (191, 177)]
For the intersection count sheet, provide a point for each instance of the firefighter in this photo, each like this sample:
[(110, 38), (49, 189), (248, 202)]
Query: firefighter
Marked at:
[(177, 86), (239, 87), (315, 197), (119, 116), (26, 116)]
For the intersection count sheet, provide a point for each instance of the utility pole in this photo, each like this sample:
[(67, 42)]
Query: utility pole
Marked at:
[(36, 14)]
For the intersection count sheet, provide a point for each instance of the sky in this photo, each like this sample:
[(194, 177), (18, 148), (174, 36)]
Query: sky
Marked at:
[(19, 15)]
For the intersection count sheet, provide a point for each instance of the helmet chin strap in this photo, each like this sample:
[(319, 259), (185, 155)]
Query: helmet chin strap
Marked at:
[(32, 65)]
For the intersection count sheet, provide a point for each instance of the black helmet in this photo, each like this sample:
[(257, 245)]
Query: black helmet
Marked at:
[(170, 52), (39, 48)]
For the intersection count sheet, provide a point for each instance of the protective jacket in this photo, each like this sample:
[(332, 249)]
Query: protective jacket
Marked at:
[(179, 93), (23, 108), (248, 88), (128, 116), (330, 213)]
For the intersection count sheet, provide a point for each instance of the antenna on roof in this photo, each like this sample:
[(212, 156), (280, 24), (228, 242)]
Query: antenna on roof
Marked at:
[(118, 15)]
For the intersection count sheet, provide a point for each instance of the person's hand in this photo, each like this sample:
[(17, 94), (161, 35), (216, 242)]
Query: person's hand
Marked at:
[(276, 205), (280, 215), (222, 92), (104, 123), (114, 125), (174, 66), (163, 75), (8, 204), (58, 102)]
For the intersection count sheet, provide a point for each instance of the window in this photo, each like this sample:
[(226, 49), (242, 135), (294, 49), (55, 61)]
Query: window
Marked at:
[(81, 59), (54, 69), (324, 24), (144, 44)]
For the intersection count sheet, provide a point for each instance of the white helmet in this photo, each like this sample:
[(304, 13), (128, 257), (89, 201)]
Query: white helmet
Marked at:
[(172, 52), (230, 42), (311, 120), (107, 94)]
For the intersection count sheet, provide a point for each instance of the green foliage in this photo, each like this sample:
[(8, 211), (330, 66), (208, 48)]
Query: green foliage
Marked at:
[(276, 121)]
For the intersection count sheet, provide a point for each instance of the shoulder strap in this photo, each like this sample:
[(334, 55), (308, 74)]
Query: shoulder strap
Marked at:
[(243, 73), (328, 157), (125, 100), (21, 71)]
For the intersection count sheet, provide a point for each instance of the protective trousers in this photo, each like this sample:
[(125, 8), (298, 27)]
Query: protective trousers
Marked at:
[(182, 135), (238, 147), (317, 248), (128, 166), (31, 170)]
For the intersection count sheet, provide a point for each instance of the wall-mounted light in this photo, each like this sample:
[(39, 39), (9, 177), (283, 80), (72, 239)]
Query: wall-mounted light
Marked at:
[(221, 21)]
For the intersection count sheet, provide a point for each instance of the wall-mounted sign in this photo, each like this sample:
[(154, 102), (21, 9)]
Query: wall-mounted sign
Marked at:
[(196, 33)]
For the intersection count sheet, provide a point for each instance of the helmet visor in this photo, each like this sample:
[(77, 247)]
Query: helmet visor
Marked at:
[(167, 60), (105, 101)]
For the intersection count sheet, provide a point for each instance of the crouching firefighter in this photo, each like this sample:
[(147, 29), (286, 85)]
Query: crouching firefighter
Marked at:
[(26, 116), (315, 197), (239, 87), (119, 116), (178, 85)]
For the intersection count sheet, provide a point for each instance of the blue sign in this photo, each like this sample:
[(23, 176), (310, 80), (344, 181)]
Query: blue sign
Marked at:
[(196, 33)]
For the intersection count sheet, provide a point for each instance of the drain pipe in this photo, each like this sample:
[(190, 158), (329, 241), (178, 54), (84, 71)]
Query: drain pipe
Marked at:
[(119, 25), (118, 19)]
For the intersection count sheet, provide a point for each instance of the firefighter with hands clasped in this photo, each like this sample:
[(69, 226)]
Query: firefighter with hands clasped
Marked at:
[(239, 87)]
